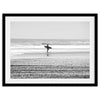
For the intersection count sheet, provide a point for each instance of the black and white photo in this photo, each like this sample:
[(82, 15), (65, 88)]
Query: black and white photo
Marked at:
[(50, 49)]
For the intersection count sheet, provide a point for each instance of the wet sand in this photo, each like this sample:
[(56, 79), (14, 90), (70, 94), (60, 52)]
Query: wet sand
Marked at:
[(61, 66)]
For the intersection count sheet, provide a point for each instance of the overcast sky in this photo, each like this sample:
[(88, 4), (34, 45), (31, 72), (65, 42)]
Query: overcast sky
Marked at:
[(50, 30)]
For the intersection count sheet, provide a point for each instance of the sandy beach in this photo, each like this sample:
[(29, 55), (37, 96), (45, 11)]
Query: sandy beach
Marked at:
[(64, 66)]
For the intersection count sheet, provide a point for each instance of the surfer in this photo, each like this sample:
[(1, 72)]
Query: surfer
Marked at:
[(48, 47)]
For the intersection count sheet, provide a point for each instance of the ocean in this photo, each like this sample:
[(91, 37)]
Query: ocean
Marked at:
[(67, 58)]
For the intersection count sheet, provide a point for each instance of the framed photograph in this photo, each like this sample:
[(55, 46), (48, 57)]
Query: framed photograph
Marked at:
[(49, 49)]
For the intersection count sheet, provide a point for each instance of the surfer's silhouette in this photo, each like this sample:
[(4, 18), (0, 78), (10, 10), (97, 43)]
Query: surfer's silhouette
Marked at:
[(48, 47)]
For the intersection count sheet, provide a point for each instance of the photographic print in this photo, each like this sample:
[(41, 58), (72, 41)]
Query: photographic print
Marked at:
[(50, 49)]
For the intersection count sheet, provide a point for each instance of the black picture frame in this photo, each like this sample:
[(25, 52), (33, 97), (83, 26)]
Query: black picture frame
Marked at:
[(4, 15)]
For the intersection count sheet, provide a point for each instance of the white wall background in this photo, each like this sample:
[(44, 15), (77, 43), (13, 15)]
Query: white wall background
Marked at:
[(47, 93)]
